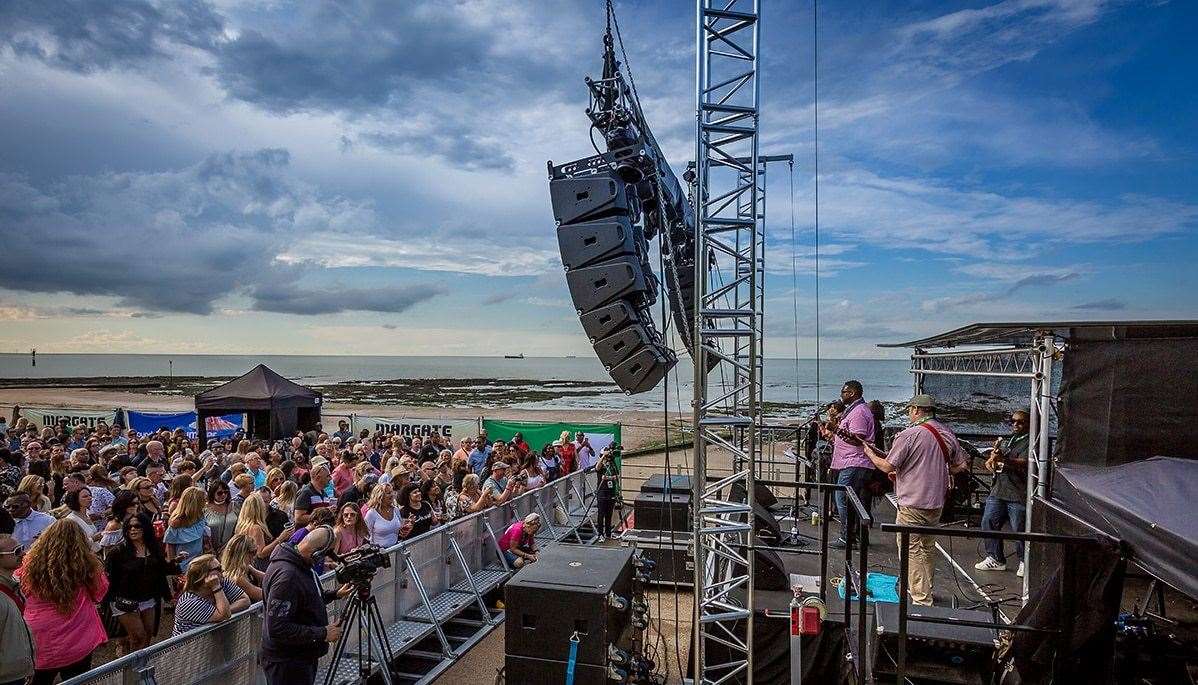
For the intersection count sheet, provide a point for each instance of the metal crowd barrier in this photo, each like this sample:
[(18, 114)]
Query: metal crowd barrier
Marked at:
[(432, 578)]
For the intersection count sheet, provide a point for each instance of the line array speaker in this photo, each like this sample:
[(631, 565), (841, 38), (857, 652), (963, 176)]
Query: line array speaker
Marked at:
[(611, 282)]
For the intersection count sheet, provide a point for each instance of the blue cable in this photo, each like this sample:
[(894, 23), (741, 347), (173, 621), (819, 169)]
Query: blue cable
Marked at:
[(573, 659)]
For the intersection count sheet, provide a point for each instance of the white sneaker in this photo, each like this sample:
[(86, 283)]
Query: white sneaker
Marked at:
[(990, 564), (602, 539), (1019, 572)]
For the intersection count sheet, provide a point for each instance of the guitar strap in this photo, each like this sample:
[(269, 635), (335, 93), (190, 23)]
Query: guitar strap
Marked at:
[(943, 449)]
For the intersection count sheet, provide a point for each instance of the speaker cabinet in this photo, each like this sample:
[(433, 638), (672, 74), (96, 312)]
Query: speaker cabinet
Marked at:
[(571, 589), (587, 198)]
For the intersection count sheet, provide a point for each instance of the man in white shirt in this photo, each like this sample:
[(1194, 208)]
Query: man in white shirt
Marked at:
[(28, 523)]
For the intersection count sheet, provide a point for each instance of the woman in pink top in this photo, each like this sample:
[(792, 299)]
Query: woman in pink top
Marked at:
[(350, 529), (63, 580)]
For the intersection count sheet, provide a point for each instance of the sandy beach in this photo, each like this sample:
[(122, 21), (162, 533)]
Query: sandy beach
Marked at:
[(640, 428)]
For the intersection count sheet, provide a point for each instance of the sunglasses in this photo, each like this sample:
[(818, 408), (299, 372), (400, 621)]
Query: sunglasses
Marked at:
[(14, 551), (133, 528)]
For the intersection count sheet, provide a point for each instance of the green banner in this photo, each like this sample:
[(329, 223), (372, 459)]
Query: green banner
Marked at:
[(539, 434)]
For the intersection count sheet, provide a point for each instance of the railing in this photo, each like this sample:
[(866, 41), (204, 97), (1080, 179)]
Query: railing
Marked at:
[(432, 577), (1065, 612)]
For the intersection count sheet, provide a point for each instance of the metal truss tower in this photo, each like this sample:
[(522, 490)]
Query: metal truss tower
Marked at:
[(728, 335)]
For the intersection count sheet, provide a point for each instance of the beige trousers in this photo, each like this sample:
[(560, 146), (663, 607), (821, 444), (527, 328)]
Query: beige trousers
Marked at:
[(922, 562)]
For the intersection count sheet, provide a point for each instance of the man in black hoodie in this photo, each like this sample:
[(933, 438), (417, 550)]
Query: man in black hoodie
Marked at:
[(297, 631)]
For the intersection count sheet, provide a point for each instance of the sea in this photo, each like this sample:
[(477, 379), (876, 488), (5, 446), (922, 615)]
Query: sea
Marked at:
[(801, 383)]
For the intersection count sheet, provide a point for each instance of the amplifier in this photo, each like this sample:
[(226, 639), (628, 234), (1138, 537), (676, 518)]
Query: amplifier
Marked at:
[(571, 589), (659, 511), (678, 485), (936, 653), (675, 560)]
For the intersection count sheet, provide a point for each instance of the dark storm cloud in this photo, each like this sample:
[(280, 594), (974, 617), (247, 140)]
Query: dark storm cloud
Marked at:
[(174, 241), (291, 299), (461, 148), (85, 36), (368, 54)]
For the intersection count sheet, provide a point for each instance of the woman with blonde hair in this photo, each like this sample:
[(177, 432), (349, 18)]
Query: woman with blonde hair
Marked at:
[(252, 523), (284, 499), (187, 528), (383, 520), (350, 531), (207, 597), (473, 498), (237, 560), (62, 580), (35, 487), (175, 491)]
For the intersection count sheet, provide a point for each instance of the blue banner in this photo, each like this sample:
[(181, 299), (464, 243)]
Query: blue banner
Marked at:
[(218, 426)]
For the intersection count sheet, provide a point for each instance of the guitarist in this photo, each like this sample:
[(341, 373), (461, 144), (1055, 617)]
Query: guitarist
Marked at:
[(922, 459), (853, 468)]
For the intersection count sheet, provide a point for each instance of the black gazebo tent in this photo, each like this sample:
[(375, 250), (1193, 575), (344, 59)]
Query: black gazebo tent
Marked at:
[(274, 406)]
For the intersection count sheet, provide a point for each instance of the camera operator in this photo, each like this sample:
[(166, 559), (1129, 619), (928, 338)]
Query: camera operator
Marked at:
[(297, 631), (609, 474)]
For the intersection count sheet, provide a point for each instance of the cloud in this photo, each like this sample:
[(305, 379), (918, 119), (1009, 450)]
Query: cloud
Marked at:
[(1033, 280), (290, 299), (499, 298), (908, 212), (451, 250), (168, 241), (1107, 305), (83, 36)]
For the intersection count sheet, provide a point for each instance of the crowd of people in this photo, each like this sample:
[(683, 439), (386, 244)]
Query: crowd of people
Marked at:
[(920, 463), (103, 529)]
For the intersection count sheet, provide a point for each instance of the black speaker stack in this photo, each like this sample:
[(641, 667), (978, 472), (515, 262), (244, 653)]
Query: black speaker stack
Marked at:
[(606, 256), (591, 596), (662, 529)]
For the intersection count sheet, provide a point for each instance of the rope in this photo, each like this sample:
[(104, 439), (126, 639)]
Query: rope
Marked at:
[(794, 280), (815, 44)]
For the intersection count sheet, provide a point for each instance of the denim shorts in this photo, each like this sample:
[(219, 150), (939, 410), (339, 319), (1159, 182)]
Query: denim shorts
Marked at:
[(511, 558)]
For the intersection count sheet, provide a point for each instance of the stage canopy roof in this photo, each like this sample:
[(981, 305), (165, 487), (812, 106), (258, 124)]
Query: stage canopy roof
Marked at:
[(1148, 504), (1023, 333), (260, 388)]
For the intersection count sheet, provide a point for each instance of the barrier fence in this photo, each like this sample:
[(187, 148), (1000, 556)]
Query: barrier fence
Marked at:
[(432, 578)]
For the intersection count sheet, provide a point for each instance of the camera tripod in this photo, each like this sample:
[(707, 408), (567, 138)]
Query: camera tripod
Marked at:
[(362, 617)]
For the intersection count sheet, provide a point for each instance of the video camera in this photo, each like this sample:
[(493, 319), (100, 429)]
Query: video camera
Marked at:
[(359, 566)]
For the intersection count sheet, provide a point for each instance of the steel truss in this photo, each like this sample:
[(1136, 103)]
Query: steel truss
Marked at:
[(728, 334)]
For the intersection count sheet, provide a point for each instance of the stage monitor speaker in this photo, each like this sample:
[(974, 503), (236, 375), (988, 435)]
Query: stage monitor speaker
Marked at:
[(662, 512), (595, 286), (761, 494), (571, 589), (644, 369), (595, 241), (936, 653), (769, 573), (658, 482), (586, 198)]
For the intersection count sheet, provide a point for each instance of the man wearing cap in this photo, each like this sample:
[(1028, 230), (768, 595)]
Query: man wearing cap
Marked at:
[(853, 468), (501, 487), (921, 458)]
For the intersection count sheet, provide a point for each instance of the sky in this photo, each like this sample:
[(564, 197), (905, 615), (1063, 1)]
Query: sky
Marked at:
[(368, 177)]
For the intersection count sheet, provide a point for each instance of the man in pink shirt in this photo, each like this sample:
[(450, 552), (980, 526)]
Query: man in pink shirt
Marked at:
[(853, 468), (921, 459)]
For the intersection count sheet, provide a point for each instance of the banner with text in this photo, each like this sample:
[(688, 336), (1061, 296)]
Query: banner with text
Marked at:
[(74, 417), (409, 427), (538, 434), (217, 426)]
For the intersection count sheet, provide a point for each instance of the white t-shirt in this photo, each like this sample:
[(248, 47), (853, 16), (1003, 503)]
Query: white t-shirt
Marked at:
[(89, 530), (383, 532)]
